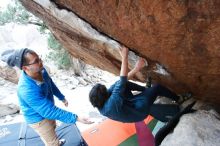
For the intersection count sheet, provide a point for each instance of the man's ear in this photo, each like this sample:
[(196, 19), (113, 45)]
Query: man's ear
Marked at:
[(24, 68)]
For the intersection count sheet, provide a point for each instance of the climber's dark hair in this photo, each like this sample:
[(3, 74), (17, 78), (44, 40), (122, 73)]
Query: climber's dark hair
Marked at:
[(98, 95)]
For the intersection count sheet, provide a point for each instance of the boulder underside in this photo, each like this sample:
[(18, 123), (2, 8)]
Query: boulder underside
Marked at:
[(178, 38)]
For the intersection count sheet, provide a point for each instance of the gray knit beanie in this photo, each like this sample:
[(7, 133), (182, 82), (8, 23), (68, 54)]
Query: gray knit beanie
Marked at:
[(13, 57)]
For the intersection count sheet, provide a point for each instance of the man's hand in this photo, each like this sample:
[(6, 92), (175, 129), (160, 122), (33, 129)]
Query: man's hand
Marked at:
[(84, 120), (65, 102), (140, 64), (124, 52)]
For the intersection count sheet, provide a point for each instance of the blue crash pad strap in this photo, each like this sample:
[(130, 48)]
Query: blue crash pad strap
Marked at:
[(22, 134)]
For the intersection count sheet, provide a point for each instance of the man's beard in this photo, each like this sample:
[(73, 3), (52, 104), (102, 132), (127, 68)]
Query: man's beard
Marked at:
[(37, 70), (40, 69)]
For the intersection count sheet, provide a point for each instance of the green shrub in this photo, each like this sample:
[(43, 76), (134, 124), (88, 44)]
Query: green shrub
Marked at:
[(58, 54), (16, 13)]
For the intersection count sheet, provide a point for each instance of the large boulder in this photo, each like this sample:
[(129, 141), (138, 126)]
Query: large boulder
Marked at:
[(198, 129), (8, 73), (178, 38)]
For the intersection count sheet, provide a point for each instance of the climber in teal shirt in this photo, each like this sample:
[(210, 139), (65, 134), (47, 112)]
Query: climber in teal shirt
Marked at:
[(120, 104)]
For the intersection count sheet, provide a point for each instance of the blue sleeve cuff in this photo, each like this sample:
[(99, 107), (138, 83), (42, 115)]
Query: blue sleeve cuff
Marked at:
[(123, 78)]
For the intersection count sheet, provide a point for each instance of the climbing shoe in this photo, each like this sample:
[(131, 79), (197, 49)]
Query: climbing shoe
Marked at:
[(184, 97)]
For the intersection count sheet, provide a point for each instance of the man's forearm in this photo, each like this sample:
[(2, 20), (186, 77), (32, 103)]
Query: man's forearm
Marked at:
[(124, 66), (132, 73), (138, 66)]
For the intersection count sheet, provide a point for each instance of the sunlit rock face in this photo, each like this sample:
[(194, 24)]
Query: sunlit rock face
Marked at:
[(178, 38)]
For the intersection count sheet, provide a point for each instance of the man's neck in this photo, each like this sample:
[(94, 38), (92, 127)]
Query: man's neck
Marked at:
[(36, 76)]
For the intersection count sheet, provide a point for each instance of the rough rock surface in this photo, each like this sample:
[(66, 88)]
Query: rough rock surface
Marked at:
[(178, 38), (203, 126), (8, 73)]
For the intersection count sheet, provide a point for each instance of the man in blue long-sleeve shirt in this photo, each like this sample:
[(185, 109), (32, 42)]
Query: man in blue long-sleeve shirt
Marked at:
[(35, 92), (118, 102)]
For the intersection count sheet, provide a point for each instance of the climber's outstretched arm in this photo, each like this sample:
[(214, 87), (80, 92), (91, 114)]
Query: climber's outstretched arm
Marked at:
[(124, 63), (138, 66)]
